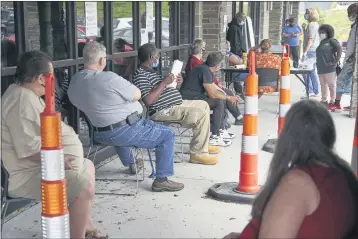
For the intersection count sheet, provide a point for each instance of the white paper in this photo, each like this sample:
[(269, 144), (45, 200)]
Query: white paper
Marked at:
[(176, 70)]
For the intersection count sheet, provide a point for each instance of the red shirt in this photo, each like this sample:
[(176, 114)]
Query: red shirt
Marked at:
[(336, 212), (193, 62)]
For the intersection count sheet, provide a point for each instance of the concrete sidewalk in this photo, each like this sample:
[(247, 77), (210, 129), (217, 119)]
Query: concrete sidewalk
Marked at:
[(185, 214)]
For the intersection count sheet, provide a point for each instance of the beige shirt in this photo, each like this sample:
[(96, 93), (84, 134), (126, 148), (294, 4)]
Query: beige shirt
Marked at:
[(21, 135)]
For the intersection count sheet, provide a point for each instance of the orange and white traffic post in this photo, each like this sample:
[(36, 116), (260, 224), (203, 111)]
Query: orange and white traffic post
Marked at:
[(248, 179), (285, 87), (354, 162), (55, 220)]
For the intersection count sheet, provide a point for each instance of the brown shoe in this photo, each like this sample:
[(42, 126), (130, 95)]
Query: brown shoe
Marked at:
[(204, 159), (214, 149), (140, 166), (166, 186)]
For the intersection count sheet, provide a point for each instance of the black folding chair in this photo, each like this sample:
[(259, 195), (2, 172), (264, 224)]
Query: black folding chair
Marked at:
[(138, 152), (5, 199)]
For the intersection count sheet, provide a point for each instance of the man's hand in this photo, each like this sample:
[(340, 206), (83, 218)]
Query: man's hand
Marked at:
[(67, 160), (332, 63), (168, 79), (233, 235), (232, 99), (179, 79)]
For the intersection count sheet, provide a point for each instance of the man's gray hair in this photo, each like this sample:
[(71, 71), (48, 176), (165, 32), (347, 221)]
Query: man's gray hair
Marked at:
[(93, 52), (197, 46), (214, 58)]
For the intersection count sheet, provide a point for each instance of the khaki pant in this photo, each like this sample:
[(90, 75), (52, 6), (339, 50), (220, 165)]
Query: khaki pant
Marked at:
[(76, 181), (192, 114), (328, 85)]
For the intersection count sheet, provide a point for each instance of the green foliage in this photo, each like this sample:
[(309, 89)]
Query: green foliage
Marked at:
[(334, 5), (337, 18), (120, 9)]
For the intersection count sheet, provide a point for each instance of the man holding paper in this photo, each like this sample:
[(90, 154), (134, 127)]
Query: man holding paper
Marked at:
[(165, 103)]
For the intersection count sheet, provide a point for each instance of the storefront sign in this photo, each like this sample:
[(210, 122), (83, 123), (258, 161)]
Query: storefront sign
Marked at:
[(91, 18)]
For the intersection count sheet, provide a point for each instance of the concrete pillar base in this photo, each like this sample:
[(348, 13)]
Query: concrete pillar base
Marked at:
[(228, 192), (270, 146)]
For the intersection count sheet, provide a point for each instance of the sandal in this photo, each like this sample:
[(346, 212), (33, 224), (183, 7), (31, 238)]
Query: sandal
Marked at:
[(96, 234)]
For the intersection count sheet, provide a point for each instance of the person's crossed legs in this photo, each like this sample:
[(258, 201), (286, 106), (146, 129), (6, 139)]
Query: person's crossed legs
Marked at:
[(234, 109), (146, 134), (194, 114)]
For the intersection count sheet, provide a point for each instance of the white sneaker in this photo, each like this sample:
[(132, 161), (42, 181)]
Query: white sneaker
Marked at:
[(315, 96), (218, 141), (304, 97), (226, 135)]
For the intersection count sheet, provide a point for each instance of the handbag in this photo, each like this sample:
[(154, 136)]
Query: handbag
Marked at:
[(338, 68)]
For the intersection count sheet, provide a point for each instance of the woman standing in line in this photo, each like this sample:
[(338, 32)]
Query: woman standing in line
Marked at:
[(310, 43), (328, 54)]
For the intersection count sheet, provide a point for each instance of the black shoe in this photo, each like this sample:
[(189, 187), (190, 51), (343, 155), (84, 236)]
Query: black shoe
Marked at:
[(239, 121)]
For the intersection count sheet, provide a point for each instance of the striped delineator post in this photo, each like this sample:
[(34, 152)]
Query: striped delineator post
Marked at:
[(285, 88), (246, 190), (55, 221), (248, 179), (354, 162)]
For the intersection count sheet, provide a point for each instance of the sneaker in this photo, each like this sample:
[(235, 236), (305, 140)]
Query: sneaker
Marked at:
[(226, 135), (239, 120), (218, 141), (166, 186), (336, 108), (132, 168), (325, 103), (205, 159), (315, 96), (347, 108), (331, 107), (304, 97), (214, 149)]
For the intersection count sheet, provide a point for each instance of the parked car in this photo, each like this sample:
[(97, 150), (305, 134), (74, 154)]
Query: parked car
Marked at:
[(127, 34), (120, 23), (81, 37), (7, 22)]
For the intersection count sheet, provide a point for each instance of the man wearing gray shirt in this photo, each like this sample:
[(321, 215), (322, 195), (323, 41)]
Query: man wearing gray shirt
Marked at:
[(111, 104), (310, 43)]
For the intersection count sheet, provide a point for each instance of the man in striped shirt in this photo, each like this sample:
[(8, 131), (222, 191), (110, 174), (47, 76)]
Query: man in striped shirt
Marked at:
[(165, 103)]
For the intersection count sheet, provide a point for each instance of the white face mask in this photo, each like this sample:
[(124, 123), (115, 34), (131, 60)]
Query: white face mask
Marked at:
[(352, 18), (242, 23), (323, 36)]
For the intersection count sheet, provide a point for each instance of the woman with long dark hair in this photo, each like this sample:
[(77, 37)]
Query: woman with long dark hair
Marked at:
[(310, 191)]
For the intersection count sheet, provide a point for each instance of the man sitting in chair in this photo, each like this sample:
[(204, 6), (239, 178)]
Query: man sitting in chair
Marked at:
[(166, 105), (199, 85), (111, 104), (21, 146)]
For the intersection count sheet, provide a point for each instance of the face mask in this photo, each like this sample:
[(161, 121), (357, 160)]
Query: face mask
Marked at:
[(352, 18), (306, 16), (323, 36), (155, 63), (241, 23)]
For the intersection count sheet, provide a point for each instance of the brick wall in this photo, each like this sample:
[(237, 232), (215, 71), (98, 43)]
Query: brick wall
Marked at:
[(215, 16), (275, 22), (264, 21), (295, 9)]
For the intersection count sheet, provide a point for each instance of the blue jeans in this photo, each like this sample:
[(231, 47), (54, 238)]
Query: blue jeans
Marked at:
[(344, 79), (143, 134), (311, 80)]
